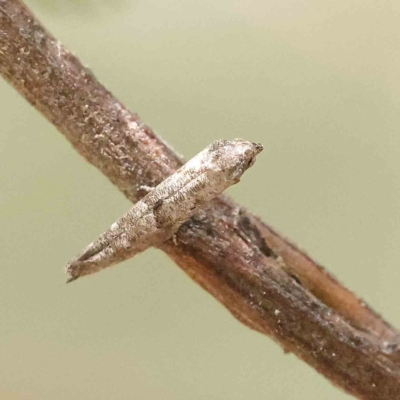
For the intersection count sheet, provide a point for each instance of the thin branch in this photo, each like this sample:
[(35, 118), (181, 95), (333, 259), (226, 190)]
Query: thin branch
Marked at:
[(261, 278)]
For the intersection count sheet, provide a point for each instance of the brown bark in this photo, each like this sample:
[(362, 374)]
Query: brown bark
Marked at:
[(261, 278)]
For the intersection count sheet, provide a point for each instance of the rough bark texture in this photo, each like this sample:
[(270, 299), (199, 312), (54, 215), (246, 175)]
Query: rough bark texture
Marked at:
[(261, 278)]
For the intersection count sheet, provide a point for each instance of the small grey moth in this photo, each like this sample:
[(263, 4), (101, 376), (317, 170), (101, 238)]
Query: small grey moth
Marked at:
[(164, 209)]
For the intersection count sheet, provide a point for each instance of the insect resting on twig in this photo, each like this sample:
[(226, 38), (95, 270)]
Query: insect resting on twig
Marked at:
[(161, 212)]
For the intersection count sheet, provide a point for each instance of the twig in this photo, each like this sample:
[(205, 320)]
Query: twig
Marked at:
[(228, 251)]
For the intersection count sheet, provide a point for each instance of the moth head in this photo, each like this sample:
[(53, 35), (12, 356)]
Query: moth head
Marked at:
[(235, 156)]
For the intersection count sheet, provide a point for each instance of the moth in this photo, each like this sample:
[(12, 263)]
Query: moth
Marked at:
[(158, 215)]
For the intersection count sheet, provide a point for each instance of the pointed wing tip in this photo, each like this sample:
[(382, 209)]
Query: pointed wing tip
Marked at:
[(71, 279), (73, 272)]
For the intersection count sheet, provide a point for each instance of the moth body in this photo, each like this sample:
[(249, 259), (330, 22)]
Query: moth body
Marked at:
[(161, 212)]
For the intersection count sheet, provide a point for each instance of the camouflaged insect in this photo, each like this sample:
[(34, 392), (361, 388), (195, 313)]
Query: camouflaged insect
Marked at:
[(161, 212)]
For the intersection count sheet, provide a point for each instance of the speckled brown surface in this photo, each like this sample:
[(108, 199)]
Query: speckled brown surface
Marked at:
[(263, 280)]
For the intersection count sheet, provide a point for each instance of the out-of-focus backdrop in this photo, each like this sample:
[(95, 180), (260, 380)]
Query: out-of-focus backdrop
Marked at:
[(316, 82)]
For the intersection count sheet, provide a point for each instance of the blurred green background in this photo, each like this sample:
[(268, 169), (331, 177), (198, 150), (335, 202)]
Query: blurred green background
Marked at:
[(316, 82)]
